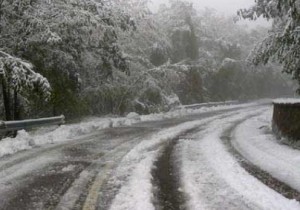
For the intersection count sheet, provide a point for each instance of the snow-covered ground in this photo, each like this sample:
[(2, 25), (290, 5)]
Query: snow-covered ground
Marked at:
[(210, 177), (255, 141), (213, 179), (208, 104), (28, 140), (134, 173), (287, 101)]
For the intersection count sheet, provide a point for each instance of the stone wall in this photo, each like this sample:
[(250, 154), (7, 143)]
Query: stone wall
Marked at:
[(286, 120)]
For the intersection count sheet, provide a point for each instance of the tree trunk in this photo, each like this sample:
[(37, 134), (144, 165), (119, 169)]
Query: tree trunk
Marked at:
[(17, 114), (6, 99), (193, 46)]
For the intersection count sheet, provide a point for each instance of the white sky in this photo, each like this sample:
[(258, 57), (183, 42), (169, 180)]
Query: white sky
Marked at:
[(227, 7), (224, 6)]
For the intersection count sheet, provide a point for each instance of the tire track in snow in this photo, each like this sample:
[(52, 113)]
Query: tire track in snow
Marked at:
[(32, 189), (9, 163), (254, 170), (212, 178), (137, 187), (167, 193), (47, 187), (84, 192)]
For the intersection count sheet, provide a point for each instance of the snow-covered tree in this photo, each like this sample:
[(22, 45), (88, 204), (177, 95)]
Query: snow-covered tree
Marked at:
[(178, 20), (73, 43), (282, 43), (114, 56), (18, 77), (148, 39), (66, 29)]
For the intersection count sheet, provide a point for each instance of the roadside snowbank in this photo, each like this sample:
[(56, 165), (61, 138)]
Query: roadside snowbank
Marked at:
[(208, 104), (254, 141), (213, 179), (25, 140)]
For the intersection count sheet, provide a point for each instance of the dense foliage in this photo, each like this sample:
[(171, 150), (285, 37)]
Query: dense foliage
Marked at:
[(17, 76), (113, 57), (282, 42), (73, 43)]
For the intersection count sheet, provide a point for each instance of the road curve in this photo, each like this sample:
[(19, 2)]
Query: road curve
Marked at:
[(99, 170)]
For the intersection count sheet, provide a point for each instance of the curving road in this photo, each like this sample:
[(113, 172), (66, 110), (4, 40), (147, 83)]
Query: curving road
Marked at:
[(192, 162)]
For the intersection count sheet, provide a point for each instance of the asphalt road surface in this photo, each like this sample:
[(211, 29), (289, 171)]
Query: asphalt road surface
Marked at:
[(83, 174)]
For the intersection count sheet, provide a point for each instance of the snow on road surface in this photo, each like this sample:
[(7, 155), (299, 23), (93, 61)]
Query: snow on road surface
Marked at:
[(57, 175), (26, 141), (134, 173), (209, 176), (213, 179), (254, 140)]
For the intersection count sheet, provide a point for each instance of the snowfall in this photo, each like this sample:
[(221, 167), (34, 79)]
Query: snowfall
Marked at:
[(210, 176)]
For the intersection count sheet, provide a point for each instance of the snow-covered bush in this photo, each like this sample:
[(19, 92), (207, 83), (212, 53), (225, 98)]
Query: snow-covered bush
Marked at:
[(18, 76), (183, 80), (108, 99), (117, 56), (56, 37)]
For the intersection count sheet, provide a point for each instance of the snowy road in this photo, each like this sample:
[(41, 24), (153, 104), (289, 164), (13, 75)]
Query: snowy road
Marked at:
[(218, 159)]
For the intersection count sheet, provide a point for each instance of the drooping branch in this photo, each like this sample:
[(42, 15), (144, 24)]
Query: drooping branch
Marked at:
[(18, 76)]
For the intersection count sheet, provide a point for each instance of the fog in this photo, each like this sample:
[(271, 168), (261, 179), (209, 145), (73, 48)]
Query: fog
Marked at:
[(224, 7), (121, 58), (161, 100), (228, 7)]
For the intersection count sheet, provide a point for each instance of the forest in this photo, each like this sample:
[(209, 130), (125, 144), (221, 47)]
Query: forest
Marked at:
[(99, 57)]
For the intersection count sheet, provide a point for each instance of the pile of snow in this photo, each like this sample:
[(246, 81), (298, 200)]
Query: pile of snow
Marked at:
[(133, 115), (207, 104), (287, 101), (25, 141), (172, 100)]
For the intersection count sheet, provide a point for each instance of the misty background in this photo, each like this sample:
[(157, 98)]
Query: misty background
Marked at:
[(223, 7), (114, 57)]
